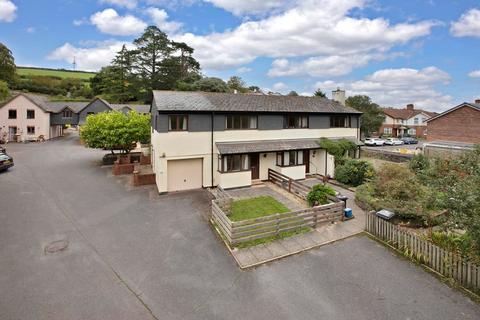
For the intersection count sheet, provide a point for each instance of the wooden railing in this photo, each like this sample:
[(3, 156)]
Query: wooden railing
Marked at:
[(450, 264), (236, 232), (221, 194), (288, 184)]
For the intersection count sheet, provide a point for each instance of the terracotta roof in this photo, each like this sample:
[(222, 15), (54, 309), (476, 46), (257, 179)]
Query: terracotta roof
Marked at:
[(230, 102), (405, 113)]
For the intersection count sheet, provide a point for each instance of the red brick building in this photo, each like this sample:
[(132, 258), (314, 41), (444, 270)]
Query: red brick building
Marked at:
[(459, 124), (405, 122)]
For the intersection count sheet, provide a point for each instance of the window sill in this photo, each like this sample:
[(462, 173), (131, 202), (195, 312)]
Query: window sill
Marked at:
[(289, 166), (239, 171)]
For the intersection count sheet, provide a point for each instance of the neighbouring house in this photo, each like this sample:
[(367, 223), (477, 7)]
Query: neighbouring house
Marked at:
[(27, 117), (219, 139), (405, 122), (454, 130)]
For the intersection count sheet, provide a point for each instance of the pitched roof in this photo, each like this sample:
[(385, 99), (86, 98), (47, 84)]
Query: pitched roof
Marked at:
[(273, 145), (465, 104), (141, 108), (230, 102), (44, 103), (405, 113)]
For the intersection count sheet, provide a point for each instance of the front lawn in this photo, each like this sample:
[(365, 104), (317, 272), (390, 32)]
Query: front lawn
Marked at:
[(255, 208)]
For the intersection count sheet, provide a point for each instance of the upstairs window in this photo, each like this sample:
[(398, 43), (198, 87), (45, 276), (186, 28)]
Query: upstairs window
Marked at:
[(415, 121), (233, 163), (290, 158), (30, 114), (67, 113), (295, 122), (12, 114), (177, 123), (340, 122), (30, 130), (241, 122)]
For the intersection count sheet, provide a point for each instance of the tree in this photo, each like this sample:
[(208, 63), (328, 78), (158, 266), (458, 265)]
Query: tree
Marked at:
[(292, 94), (372, 117), (337, 148), (4, 92), (211, 85), (237, 83), (319, 93), (152, 48), (7, 65), (115, 130)]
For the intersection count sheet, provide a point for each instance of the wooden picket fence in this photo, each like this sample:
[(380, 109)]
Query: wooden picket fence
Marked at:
[(288, 184), (450, 264), (236, 232)]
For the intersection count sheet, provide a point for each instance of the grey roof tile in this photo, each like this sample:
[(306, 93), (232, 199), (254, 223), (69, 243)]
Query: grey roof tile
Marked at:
[(179, 101), (273, 145)]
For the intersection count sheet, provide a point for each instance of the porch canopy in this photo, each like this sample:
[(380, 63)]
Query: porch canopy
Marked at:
[(274, 145)]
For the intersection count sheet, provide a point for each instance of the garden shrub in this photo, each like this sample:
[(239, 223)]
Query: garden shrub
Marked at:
[(318, 194), (354, 172)]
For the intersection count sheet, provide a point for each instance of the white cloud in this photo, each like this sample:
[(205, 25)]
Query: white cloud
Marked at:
[(280, 86), (31, 30), (248, 6), (244, 70), (398, 87), (110, 22), (474, 74), (467, 25), (333, 65), (129, 4), (92, 58), (80, 22), (160, 17), (317, 29), (7, 11)]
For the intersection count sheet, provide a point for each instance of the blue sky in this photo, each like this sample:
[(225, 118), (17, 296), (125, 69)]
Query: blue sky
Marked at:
[(397, 52)]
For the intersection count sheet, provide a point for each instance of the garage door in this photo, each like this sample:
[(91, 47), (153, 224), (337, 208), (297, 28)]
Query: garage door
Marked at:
[(184, 174)]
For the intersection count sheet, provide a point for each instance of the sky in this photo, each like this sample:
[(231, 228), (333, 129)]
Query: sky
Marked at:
[(397, 52)]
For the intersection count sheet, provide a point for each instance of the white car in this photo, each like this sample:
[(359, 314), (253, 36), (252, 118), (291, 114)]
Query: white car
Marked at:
[(374, 142), (393, 142)]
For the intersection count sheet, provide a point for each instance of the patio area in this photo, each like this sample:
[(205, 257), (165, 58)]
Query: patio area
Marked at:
[(324, 234)]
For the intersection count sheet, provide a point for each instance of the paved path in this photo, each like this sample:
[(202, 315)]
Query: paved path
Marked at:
[(132, 255), (323, 234)]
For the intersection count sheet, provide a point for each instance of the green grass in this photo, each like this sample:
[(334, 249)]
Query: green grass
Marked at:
[(281, 235), (84, 75), (255, 208)]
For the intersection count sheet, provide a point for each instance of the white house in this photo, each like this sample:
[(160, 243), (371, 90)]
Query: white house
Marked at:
[(229, 140)]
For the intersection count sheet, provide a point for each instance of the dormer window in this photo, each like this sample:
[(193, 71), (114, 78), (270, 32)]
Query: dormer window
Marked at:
[(67, 113)]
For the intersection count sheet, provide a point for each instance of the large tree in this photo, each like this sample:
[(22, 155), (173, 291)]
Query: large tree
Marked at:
[(237, 83), (319, 93), (4, 92), (211, 85), (7, 64), (372, 117)]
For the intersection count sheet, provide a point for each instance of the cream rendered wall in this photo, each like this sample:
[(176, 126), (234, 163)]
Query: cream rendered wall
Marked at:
[(22, 104), (270, 161), (421, 120), (317, 161), (295, 172), (185, 145), (235, 179)]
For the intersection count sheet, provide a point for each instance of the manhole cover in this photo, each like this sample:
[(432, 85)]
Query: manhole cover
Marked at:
[(56, 246)]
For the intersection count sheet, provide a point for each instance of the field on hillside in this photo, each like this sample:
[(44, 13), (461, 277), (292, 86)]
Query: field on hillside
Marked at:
[(24, 71)]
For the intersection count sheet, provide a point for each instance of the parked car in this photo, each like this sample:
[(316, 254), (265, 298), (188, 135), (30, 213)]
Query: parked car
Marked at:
[(374, 142), (5, 161), (393, 141), (3, 150), (409, 140)]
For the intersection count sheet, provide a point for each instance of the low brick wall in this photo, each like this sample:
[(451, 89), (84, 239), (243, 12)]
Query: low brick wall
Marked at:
[(145, 160), (143, 179), (385, 155), (119, 169)]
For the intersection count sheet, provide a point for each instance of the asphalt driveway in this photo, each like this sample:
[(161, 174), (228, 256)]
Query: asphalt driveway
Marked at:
[(134, 255)]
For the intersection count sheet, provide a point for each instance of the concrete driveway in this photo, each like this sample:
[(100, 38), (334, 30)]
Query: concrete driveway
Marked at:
[(134, 256)]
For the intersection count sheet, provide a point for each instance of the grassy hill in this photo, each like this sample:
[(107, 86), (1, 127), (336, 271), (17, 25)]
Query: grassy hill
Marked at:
[(30, 71)]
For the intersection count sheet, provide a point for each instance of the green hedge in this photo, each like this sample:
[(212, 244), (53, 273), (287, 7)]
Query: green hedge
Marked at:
[(354, 172)]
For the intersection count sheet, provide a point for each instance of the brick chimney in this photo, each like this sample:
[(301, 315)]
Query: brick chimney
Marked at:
[(477, 101), (339, 96), (410, 106)]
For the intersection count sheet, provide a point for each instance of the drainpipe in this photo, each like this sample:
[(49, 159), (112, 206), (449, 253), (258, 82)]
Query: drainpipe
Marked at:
[(326, 164), (211, 156)]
